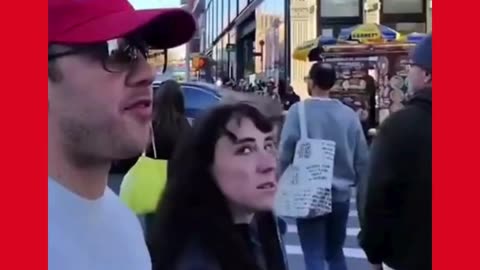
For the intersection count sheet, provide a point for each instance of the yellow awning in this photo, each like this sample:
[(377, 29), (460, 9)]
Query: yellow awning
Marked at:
[(301, 52)]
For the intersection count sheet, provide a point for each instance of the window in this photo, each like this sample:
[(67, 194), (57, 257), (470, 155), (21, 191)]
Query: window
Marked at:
[(340, 8), (220, 14), (226, 13), (242, 4), (327, 32), (402, 6), (218, 20), (233, 9), (212, 22), (214, 16), (406, 27), (207, 24)]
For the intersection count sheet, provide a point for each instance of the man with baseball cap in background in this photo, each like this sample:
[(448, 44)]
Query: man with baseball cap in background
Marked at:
[(395, 205), (99, 110)]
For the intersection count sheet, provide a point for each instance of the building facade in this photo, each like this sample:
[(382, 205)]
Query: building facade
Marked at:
[(256, 37), (244, 37), (312, 18)]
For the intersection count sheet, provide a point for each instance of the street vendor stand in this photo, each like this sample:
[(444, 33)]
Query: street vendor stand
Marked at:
[(372, 64)]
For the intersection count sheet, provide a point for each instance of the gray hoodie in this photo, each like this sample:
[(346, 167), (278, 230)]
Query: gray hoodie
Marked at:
[(329, 119)]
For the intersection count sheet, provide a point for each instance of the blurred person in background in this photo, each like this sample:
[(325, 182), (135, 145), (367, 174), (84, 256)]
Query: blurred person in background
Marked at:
[(322, 238), (216, 212), (169, 125), (289, 98), (395, 204), (271, 90)]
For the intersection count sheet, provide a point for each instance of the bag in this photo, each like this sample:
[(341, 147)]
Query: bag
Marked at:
[(144, 183), (305, 188)]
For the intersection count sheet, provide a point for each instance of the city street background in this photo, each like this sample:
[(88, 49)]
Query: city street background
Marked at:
[(356, 259)]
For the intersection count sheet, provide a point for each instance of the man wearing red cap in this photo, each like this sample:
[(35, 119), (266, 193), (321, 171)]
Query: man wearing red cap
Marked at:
[(100, 105)]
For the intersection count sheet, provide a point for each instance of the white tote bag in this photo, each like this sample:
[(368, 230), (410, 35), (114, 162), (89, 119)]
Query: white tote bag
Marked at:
[(305, 188)]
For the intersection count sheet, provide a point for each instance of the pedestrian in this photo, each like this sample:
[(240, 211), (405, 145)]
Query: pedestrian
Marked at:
[(322, 237), (272, 91), (99, 110), (169, 125), (395, 206), (289, 98), (216, 212)]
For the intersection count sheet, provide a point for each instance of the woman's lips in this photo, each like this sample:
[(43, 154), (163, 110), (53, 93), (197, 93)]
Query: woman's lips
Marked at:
[(267, 186)]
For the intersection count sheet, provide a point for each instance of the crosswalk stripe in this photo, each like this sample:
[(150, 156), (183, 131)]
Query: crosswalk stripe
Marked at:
[(350, 231), (353, 213), (349, 252)]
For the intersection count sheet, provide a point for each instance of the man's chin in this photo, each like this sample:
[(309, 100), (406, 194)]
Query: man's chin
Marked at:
[(131, 151)]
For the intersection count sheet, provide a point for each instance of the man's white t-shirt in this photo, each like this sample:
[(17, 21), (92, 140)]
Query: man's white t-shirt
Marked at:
[(100, 234)]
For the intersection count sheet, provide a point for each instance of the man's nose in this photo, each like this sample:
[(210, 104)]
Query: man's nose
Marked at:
[(142, 74)]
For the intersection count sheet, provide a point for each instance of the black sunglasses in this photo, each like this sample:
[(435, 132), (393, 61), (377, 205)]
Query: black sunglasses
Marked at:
[(118, 55)]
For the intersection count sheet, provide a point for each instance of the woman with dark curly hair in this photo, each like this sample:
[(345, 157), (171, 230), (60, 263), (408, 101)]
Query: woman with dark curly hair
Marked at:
[(216, 211)]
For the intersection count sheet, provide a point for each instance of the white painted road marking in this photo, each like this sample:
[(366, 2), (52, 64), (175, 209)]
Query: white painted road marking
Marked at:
[(349, 252), (350, 231)]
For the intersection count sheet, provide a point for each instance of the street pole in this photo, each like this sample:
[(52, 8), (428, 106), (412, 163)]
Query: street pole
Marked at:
[(187, 61)]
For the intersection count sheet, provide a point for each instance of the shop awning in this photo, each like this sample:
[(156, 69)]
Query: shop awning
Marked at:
[(310, 50), (368, 33)]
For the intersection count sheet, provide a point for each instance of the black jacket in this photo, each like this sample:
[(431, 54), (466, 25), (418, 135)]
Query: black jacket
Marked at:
[(289, 99), (262, 237), (395, 203)]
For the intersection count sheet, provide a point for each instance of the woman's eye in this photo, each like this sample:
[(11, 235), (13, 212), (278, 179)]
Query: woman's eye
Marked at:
[(269, 147), (245, 150)]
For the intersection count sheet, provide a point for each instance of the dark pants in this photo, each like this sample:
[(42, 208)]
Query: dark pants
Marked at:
[(322, 238)]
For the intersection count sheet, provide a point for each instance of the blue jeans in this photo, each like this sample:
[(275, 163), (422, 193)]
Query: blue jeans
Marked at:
[(322, 238)]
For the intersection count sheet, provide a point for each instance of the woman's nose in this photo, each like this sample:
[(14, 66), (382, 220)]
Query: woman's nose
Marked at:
[(267, 163)]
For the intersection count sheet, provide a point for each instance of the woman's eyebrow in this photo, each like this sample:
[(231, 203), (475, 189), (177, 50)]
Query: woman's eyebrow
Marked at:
[(235, 140)]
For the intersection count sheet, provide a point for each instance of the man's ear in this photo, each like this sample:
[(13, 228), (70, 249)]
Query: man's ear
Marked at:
[(428, 77)]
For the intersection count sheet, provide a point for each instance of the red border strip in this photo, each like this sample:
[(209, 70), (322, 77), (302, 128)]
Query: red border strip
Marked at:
[(23, 113), (456, 135)]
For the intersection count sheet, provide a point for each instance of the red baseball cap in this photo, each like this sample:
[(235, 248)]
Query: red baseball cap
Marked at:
[(92, 21)]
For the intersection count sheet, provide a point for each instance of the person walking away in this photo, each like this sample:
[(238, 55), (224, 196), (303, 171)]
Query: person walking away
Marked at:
[(169, 125), (99, 110), (395, 206), (322, 238), (216, 212)]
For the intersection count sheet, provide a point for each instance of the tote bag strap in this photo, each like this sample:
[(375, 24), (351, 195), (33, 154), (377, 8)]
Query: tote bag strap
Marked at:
[(303, 120)]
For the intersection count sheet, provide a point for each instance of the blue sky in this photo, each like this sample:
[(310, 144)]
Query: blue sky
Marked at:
[(146, 4)]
